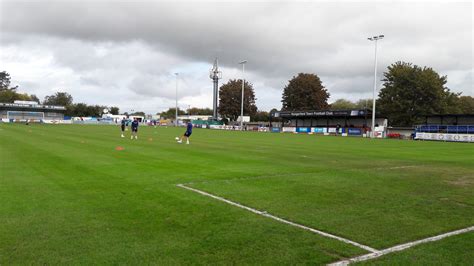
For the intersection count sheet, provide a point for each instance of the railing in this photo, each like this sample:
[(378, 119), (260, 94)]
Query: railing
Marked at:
[(451, 129)]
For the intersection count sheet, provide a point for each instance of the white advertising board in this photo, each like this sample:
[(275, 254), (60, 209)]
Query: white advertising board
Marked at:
[(445, 137), (288, 129), (57, 121)]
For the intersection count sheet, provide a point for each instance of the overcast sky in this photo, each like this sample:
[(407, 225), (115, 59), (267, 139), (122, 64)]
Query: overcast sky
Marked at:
[(124, 53)]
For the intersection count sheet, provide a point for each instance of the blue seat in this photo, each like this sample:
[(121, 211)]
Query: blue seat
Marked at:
[(462, 129), (470, 129)]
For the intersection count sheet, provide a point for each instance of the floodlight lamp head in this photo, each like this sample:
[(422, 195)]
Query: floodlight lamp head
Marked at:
[(214, 72), (215, 66), (243, 62), (376, 38)]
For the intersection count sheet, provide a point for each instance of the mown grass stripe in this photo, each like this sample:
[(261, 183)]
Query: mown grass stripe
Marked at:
[(263, 213), (402, 247)]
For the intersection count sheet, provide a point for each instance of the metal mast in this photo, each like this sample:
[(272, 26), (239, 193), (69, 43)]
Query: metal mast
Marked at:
[(374, 39), (215, 75)]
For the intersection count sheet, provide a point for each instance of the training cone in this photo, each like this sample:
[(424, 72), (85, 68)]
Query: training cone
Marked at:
[(119, 148)]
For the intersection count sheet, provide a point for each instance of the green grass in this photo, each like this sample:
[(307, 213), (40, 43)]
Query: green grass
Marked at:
[(456, 250), (68, 197)]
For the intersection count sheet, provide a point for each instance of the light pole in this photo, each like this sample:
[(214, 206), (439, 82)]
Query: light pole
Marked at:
[(176, 117), (375, 40), (242, 103)]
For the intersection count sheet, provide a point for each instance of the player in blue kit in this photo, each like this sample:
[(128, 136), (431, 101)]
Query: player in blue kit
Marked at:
[(187, 134), (123, 127), (134, 129)]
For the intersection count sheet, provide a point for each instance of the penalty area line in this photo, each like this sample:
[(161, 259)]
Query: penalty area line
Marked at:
[(265, 214), (402, 247)]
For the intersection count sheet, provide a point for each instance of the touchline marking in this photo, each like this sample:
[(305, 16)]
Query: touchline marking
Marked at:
[(263, 213), (374, 252), (396, 167), (247, 178), (377, 254)]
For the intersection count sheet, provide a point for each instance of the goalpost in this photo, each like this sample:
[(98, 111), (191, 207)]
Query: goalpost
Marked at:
[(25, 115)]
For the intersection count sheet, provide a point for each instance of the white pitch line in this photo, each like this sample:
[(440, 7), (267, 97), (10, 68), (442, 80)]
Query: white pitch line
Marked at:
[(402, 247), (263, 213), (396, 167)]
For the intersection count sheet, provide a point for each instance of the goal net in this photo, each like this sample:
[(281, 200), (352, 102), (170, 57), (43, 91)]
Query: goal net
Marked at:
[(25, 115)]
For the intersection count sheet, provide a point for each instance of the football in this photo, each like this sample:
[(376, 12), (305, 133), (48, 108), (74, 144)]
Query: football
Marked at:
[(177, 138)]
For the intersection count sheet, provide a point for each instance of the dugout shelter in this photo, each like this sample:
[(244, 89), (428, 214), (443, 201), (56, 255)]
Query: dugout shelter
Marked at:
[(22, 111), (348, 122)]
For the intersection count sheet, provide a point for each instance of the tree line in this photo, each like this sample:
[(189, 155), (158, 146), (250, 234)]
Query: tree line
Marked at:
[(171, 112), (77, 109), (408, 93), (10, 94)]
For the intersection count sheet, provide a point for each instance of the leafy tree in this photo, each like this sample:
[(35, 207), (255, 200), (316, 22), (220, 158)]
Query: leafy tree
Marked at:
[(59, 98), (410, 91), (82, 109), (342, 104), (138, 113), (23, 97), (171, 113), (94, 110), (230, 99), (452, 104), (5, 81), (260, 116), (199, 111), (305, 92), (114, 110), (78, 109), (9, 94), (35, 98), (364, 104), (466, 104)]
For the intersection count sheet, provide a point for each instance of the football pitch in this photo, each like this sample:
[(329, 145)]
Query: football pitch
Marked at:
[(80, 194)]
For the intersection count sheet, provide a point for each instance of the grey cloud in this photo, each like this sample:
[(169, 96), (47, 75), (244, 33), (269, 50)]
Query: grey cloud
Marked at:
[(91, 81), (156, 86)]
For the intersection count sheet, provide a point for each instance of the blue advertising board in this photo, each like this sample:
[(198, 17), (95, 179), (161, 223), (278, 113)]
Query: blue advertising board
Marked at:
[(275, 129), (303, 129), (355, 131), (319, 130)]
